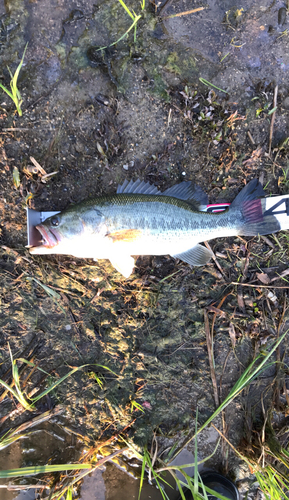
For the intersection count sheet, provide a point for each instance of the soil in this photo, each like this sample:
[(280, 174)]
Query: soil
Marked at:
[(138, 109)]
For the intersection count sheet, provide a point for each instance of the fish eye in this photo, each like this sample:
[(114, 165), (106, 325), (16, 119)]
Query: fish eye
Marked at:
[(54, 221)]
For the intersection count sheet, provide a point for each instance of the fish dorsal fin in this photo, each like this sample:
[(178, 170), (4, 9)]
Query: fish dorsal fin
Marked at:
[(252, 191), (188, 191), (138, 186), (196, 256)]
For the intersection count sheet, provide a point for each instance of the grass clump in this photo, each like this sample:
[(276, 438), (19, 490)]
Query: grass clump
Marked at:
[(271, 478), (15, 94), (135, 18), (19, 394)]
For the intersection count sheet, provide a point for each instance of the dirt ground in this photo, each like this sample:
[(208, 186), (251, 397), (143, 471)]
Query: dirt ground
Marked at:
[(138, 110)]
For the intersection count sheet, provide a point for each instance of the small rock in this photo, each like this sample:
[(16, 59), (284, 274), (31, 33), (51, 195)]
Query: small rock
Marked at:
[(281, 16), (286, 103)]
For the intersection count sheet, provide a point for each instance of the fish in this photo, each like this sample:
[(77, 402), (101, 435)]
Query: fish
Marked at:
[(141, 220)]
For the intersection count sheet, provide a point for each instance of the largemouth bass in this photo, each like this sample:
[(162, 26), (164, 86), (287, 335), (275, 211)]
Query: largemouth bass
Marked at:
[(140, 220)]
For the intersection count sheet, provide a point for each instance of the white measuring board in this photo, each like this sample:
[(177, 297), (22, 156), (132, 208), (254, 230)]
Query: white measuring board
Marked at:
[(33, 218)]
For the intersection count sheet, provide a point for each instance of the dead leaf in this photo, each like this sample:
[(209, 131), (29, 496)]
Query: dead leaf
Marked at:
[(216, 310), (264, 278), (255, 156)]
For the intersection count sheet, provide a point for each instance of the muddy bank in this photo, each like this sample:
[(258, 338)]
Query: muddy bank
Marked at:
[(139, 110)]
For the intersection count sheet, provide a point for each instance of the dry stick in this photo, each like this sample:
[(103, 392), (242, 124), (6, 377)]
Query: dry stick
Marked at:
[(251, 138), (278, 357), (185, 13), (39, 419), (211, 358), (273, 119), (269, 242), (214, 258), (17, 129), (218, 309), (258, 286), (240, 297), (16, 487), (233, 447)]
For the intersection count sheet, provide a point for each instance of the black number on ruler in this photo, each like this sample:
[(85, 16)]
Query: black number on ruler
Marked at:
[(271, 211)]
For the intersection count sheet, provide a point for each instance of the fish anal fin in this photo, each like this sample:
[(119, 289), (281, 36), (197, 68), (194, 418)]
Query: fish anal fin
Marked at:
[(196, 256), (124, 264), (125, 235)]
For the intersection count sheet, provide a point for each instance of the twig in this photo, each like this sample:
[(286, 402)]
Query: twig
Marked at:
[(233, 447), (17, 129), (258, 286), (216, 312), (19, 487), (278, 357), (269, 243), (240, 299), (214, 258), (185, 13), (273, 119), (211, 358), (251, 138)]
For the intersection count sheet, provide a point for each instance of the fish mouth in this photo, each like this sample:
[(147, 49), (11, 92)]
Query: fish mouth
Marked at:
[(48, 236), (48, 239)]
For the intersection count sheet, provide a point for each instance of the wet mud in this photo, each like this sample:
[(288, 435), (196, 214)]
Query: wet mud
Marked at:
[(138, 109)]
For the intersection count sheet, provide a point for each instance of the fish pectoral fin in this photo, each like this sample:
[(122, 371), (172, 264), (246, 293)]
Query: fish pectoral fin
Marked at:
[(124, 264), (196, 256)]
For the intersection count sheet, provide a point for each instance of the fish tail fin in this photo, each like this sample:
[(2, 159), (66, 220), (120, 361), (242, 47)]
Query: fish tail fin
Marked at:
[(253, 210)]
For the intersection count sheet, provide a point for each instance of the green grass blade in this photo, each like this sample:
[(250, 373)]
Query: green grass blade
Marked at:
[(55, 384), (7, 91), (69, 494), (196, 456), (126, 9), (249, 374), (13, 82), (51, 387), (6, 441), (29, 363), (59, 381), (178, 483), (209, 84), (143, 467), (156, 476), (46, 288), (42, 469), (126, 33)]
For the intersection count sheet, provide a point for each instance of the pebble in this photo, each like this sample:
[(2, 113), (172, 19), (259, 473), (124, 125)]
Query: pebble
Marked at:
[(282, 16)]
